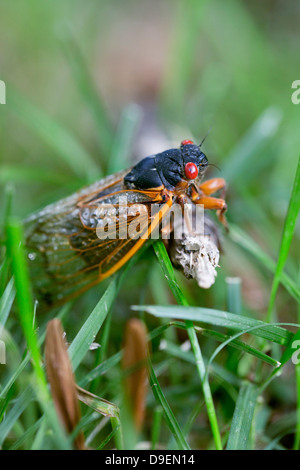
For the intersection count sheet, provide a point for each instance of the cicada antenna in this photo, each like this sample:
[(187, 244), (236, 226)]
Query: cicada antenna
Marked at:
[(215, 166), (206, 135)]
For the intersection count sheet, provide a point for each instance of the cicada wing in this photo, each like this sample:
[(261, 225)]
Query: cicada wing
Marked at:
[(69, 252), (52, 261)]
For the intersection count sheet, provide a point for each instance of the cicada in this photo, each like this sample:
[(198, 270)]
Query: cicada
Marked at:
[(81, 240)]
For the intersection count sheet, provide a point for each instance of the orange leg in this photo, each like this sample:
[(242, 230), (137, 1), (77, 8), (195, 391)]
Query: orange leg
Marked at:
[(201, 196), (211, 186)]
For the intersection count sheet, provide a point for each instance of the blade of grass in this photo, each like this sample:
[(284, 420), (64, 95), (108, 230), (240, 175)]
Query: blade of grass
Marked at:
[(87, 333), (39, 437), (156, 426), (14, 413), (9, 384), (8, 199), (117, 431), (100, 352), (286, 356), (290, 349), (239, 435), (14, 377), (105, 338), (240, 345), (297, 434), (286, 239), (101, 369), (167, 268), (15, 248), (4, 273), (234, 305), (108, 438), (247, 330), (297, 373), (242, 239), (234, 302), (107, 409), (98, 404), (6, 302), (27, 435), (220, 318), (176, 351), (169, 416)]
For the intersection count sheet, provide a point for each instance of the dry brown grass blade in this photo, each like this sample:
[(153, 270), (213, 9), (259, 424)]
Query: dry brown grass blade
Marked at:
[(135, 361), (62, 382)]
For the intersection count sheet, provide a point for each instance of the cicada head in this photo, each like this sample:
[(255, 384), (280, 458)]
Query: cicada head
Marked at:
[(194, 160)]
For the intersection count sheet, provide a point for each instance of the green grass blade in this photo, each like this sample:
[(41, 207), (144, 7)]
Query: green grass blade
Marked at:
[(108, 438), (297, 433), (27, 434), (167, 268), (6, 302), (101, 369), (234, 298), (9, 194), (87, 333), (168, 414), (220, 318), (14, 413), (239, 345), (168, 271), (297, 373), (242, 239), (156, 426), (239, 435), (15, 248), (285, 357), (290, 349), (118, 432), (12, 379), (286, 239)]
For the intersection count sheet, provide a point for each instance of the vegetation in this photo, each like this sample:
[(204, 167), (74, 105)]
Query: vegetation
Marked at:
[(82, 82)]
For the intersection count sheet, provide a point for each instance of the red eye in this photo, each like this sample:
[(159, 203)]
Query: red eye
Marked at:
[(187, 142), (191, 170)]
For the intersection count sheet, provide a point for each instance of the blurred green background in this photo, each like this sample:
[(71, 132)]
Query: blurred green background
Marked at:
[(93, 86)]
